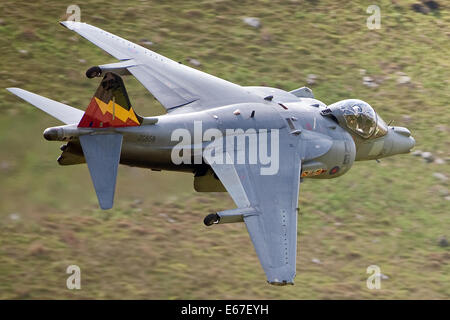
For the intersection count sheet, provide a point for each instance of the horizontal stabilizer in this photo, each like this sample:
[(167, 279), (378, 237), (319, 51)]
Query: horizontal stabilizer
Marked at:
[(102, 154), (58, 110)]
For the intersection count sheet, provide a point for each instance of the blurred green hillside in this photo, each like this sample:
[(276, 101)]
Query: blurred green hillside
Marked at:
[(153, 244)]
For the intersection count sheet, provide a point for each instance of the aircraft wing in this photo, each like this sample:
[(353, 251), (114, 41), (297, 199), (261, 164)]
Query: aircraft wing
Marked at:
[(171, 83), (273, 204)]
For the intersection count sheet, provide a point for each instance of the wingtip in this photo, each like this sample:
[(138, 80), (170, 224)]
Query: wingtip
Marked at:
[(63, 23), (281, 276), (106, 204), (283, 283), (71, 25), (13, 90)]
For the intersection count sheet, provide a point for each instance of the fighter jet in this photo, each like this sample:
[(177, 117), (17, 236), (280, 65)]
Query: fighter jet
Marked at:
[(257, 143)]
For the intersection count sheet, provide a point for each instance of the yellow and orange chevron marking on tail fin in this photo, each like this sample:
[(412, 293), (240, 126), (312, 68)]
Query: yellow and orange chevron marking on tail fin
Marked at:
[(110, 106)]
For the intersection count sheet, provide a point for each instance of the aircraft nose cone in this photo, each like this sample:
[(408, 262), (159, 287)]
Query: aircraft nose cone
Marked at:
[(401, 140)]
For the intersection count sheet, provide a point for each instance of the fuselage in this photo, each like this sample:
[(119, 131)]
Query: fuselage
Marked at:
[(331, 137), (329, 150)]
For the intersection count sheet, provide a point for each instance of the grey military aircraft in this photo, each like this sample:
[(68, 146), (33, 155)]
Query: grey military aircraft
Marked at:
[(256, 143)]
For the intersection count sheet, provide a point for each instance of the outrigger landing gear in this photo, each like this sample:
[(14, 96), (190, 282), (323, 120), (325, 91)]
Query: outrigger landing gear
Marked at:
[(211, 219)]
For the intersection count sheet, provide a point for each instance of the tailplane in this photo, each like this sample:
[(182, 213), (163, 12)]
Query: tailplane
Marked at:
[(58, 110), (110, 108)]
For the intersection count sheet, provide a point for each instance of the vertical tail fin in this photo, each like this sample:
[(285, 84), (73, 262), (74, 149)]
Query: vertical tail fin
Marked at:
[(102, 154), (110, 106)]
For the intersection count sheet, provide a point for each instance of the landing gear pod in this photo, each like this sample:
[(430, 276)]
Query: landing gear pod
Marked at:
[(119, 68), (93, 72), (229, 216), (211, 219)]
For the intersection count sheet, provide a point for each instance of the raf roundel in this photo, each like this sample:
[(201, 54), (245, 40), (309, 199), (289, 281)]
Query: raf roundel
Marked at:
[(334, 170)]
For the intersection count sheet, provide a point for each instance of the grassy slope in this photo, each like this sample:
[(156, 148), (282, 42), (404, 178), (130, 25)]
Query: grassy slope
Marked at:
[(390, 214)]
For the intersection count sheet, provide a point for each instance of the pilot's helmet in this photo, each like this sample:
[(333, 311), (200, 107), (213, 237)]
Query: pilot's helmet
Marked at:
[(357, 115)]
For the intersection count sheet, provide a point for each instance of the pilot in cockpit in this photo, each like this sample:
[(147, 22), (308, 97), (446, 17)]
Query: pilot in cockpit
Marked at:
[(362, 119)]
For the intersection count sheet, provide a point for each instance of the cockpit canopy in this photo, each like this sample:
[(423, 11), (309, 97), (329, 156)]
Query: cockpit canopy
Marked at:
[(359, 117)]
